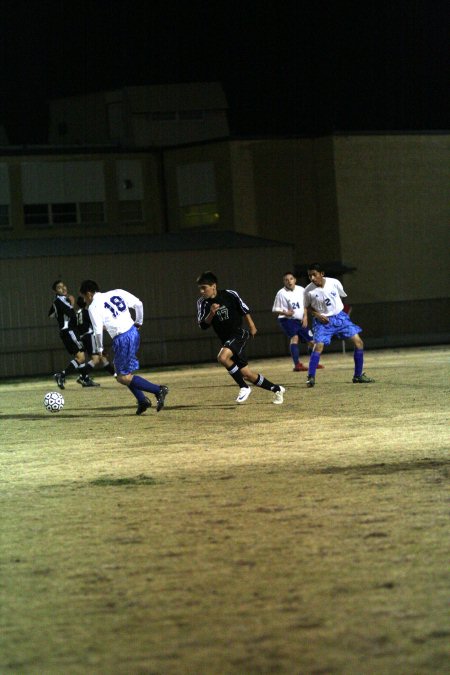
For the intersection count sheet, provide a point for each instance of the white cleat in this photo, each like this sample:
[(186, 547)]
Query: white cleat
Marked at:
[(279, 396), (244, 393)]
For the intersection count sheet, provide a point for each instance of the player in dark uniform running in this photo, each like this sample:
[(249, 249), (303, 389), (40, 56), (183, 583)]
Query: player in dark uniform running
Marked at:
[(224, 311), (63, 311)]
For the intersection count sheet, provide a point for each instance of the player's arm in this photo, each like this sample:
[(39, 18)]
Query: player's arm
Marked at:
[(136, 305), (317, 315), (280, 306), (340, 289), (312, 310), (305, 318), (205, 316), (251, 325), (97, 327), (139, 314)]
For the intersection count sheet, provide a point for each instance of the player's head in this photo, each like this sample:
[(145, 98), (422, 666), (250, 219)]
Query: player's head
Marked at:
[(88, 289), (316, 273), (59, 287), (207, 284), (289, 280), (207, 278)]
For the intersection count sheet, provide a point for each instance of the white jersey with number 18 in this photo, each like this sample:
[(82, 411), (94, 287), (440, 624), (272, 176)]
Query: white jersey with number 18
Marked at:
[(110, 311)]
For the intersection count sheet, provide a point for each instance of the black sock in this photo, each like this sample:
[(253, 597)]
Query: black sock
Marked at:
[(84, 370), (237, 376), (266, 384), (72, 367)]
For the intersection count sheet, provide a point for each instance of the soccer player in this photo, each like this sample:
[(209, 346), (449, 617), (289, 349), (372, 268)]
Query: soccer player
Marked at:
[(224, 310), (292, 318), (63, 311), (89, 340), (323, 298), (111, 311)]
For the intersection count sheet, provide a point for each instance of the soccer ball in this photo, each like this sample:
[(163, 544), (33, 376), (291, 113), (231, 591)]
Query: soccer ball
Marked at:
[(53, 401)]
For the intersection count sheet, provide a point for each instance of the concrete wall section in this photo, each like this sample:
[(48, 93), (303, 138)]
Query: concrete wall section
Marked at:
[(393, 196), (290, 187)]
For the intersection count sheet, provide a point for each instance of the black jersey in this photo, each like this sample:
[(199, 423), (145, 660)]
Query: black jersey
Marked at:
[(84, 322), (228, 318), (64, 313)]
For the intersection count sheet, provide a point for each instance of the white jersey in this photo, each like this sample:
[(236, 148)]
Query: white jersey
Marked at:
[(327, 299), (285, 300), (110, 311)]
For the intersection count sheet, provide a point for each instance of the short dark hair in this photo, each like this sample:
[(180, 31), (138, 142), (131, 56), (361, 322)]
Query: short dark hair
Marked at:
[(89, 286), (291, 273), (316, 266), (55, 283), (207, 278)]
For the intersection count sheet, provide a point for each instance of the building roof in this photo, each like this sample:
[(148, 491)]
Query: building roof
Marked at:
[(184, 96), (183, 241)]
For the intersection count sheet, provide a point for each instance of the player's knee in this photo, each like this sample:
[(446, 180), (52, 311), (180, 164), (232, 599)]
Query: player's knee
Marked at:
[(124, 379)]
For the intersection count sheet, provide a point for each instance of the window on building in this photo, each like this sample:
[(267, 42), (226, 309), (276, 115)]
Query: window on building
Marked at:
[(63, 213), (130, 211), (36, 214), (199, 215), (4, 216), (197, 195)]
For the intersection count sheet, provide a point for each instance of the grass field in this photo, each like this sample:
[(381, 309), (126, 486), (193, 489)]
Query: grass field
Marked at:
[(212, 538)]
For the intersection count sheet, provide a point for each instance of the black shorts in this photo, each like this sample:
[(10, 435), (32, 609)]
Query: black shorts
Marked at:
[(237, 345), (90, 343), (71, 342)]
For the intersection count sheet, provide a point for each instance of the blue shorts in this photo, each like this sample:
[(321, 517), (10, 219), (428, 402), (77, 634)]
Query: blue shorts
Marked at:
[(294, 327), (338, 326), (125, 347)]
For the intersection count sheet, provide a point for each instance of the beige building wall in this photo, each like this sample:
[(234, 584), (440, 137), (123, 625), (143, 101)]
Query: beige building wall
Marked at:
[(393, 195), (285, 190)]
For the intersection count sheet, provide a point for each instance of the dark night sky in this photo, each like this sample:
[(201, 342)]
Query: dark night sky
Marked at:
[(287, 67)]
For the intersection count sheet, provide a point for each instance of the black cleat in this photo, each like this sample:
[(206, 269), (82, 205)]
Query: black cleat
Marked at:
[(310, 381), (60, 380), (362, 379), (87, 382), (142, 406), (161, 397)]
